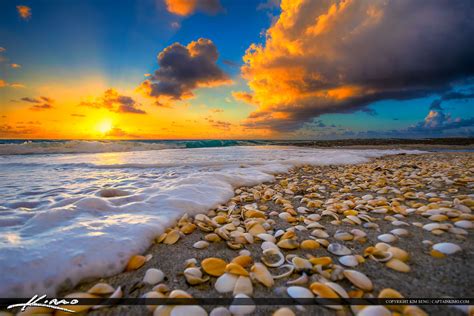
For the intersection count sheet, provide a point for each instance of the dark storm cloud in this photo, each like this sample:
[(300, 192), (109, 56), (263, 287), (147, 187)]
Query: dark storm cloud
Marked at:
[(340, 56), (183, 69)]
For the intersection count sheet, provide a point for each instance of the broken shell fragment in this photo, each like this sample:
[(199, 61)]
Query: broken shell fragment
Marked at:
[(272, 257)]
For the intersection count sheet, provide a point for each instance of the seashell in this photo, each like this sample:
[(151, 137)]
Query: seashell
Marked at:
[(359, 279), (212, 237), (398, 253), (179, 294), (101, 289), (349, 261), (389, 293), (182, 310), (464, 224), (338, 289), (338, 249), (319, 233), (412, 310), (267, 244), (431, 226), (315, 225), (299, 292), (243, 261), (214, 266), (244, 252), (194, 276), (135, 262), (188, 228), (457, 231), (255, 229), (301, 264), (220, 311), (400, 232), (447, 248), (343, 236), (172, 237), (323, 242), (374, 310), (226, 283), (381, 256), (235, 268), (388, 238), (201, 244), (272, 257), (192, 262), (151, 295), (288, 244), (262, 275), (309, 244), (399, 223), (153, 276), (323, 261), (163, 310), (283, 311), (238, 309), (284, 271), (354, 219), (303, 279), (243, 286), (398, 265), (322, 290), (162, 288), (267, 237)]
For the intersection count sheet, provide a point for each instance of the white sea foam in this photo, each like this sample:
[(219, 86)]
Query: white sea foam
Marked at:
[(69, 217)]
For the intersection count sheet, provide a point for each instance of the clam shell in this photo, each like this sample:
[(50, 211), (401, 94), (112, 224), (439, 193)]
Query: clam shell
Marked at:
[(267, 237), (214, 266), (235, 268), (288, 244), (220, 311), (226, 283), (184, 310), (153, 276), (287, 271), (194, 276), (283, 311), (309, 244), (101, 289), (464, 224), (243, 286), (398, 265), (447, 248), (401, 232), (359, 279), (299, 292), (262, 275), (319, 233), (201, 244), (241, 309), (301, 264), (349, 261), (303, 279), (338, 249), (398, 253), (376, 310), (135, 262), (272, 257), (388, 238), (172, 237)]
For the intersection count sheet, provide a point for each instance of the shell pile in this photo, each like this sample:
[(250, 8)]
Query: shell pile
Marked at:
[(312, 233)]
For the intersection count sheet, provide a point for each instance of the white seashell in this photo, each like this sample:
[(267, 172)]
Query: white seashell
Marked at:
[(338, 289), (201, 244), (220, 311), (374, 311), (186, 310), (359, 279), (267, 237), (226, 283), (273, 257), (244, 252), (268, 244), (447, 248), (464, 224), (431, 226), (303, 279), (153, 276), (400, 232), (349, 261), (302, 210), (338, 249), (299, 292), (241, 309), (319, 233), (243, 286), (399, 223), (388, 238), (287, 271), (279, 232)]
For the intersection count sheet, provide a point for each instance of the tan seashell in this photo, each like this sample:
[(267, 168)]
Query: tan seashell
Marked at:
[(322, 290), (188, 228), (262, 275), (359, 279), (412, 310), (234, 268), (309, 244), (343, 236), (301, 264), (288, 244), (272, 257), (241, 309), (243, 286), (201, 244), (323, 261), (398, 253), (101, 289), (162, 288), (214, 266), (256, 229), (194, 276), (243, 261), (179, 294), (338, 249), (398, 265), (135, 262), (172, 237), (389, 293), (284, 311)]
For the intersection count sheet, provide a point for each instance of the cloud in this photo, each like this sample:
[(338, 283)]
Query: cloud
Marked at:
[(243, 96), (223, 125), (115, 102), (15, 65), (118, 132), (9, 130), (4, 84), (77, 115), (40, 104), (188, 7), (217, 110), (24, 11), (2, 49), (183, 69), (339, 56)]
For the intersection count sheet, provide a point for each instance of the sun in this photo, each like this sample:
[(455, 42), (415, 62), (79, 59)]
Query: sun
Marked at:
[(104, 126)]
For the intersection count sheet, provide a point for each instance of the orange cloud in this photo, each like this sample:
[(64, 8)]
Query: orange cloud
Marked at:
[(4, 84), (188, 7), (24, 11), (115, 102), (15, 65), (339, 56)]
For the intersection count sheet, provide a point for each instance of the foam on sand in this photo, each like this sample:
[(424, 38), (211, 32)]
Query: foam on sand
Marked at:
[(71, 217)]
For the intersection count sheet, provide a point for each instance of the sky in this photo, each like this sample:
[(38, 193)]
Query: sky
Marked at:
[(218, 69)]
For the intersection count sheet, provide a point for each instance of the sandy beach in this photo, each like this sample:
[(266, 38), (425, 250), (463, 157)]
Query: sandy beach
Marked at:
[(395, 195)]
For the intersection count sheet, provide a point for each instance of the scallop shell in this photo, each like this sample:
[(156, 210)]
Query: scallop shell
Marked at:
[(338, 249)]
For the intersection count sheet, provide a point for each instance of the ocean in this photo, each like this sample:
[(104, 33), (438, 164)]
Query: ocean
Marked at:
[(71, 210)]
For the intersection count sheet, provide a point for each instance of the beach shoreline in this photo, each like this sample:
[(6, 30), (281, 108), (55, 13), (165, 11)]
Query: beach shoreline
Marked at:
[(424, 280)]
